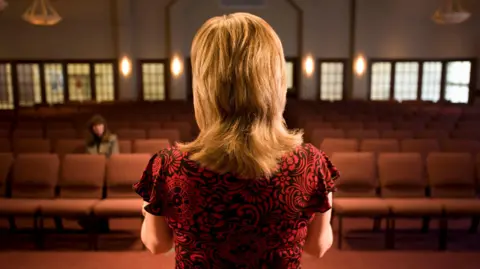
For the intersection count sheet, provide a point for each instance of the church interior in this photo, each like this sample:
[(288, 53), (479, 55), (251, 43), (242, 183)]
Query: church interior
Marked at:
[(389, 89)]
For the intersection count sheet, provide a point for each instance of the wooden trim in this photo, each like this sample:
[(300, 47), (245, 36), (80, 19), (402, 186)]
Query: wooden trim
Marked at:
[(167, 76), (318, 81), (116, 79), (369, 80), (93, 85), (473, 81), (44, 61), (189, 77), (351, 48), (443, 81), (140, 93), (420, 81), (114, 17), (14, 74), (66, 84), (168, 27), (392, 81), (420, 59), (168, 45), (43, 90), (152, 61), (300, 34)]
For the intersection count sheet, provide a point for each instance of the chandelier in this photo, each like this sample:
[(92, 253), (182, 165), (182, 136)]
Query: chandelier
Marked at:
[(3, 4), (451, 12), (41, 12)]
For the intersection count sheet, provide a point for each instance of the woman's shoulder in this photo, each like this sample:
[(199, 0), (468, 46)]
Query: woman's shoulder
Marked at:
[(313, 155), (308, 149), (110, 137), (166, 156), (171, 151)]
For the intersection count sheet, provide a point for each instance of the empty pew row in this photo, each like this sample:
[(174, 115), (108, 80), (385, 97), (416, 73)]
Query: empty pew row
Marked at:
[(422, 146), (77, 186), (390, 186), (184, 132), (67, 146), (381, 186)]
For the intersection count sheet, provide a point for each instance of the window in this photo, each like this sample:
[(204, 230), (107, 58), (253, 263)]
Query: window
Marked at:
[(153, 81), (290, 70), (380, 81), (406, 81), (431, 81), (452, 76), (29, 89), (104, 82), (6, 87), (54, 83), (331, 81), (457, 86), (79, 88)]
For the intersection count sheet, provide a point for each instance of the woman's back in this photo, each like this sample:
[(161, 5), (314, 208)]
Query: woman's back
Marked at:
[(220, 221)]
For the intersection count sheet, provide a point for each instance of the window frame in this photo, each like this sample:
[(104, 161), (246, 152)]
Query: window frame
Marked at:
[(319, 62), (442, 77), (393, 80), (444, 62), (64, 63), (14, 92), (297, 71), (166, 77)]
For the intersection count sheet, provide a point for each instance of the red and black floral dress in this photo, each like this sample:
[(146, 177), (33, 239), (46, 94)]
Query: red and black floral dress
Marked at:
[(220, 221)]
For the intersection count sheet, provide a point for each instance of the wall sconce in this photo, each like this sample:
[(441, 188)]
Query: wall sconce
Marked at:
[(360, 65), (176, 66), (309, 65), (126, 66)]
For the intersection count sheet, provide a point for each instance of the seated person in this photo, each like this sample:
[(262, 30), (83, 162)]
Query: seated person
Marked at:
[(99, 139)]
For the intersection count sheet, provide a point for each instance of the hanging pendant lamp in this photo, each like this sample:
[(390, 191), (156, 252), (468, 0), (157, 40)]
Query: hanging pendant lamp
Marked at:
[(451, 12), (41, 12), (3, 5)]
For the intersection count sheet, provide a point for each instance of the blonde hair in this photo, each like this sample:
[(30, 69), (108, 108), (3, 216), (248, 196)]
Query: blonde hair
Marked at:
[(239, 90)]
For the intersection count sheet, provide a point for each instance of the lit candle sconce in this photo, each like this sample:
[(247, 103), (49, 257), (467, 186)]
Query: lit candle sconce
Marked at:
[(309, 66), (126, 66), (360, 65), (176, 66)]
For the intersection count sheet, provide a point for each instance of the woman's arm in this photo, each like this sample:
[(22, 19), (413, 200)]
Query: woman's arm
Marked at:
[(320, 234), (155, 234), (91, 149)]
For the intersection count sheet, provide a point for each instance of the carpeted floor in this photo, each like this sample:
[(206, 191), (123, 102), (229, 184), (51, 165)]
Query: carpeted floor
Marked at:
[(362, 249)]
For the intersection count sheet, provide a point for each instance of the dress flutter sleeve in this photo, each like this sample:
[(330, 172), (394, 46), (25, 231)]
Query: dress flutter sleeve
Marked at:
[(325, 174), (151, 186)]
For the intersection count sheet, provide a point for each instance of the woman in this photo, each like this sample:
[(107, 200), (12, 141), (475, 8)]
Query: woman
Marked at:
[(99, 139), (246, 193)]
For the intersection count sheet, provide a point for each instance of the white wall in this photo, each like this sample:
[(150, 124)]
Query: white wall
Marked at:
[(385, 29), (86, 32), (403, 29), (189, 15)]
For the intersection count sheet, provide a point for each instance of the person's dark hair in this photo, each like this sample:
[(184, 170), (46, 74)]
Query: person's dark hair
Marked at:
[(95, 120)]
